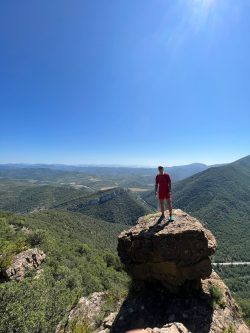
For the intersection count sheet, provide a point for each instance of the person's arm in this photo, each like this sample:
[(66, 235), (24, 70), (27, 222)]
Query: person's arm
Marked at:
[(156, 185)]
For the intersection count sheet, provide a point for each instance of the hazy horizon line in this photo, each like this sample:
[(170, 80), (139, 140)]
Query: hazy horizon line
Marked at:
[(106, 165)]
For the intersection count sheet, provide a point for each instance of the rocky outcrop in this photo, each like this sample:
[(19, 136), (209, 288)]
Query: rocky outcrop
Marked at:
[(102, 197), (173, 281), (171, 253), (86, 313), (173, 289), (22, 262)]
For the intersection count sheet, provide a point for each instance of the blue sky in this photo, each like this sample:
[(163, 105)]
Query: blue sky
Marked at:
[(129, 82)]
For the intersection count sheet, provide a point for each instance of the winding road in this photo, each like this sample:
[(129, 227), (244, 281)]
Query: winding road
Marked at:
[(234, 263)]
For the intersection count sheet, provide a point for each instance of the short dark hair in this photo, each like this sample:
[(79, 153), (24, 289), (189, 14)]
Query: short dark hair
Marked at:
[(160, 167)]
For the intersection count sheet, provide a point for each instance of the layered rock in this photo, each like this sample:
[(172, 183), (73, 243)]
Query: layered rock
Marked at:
[(24, 261), (171, 253)]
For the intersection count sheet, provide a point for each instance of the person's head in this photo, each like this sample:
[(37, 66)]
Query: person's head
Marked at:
[(160, 169)]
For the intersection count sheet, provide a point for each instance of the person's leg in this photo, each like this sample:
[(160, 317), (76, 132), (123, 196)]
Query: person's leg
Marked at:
[(162, 206), (170, 206)]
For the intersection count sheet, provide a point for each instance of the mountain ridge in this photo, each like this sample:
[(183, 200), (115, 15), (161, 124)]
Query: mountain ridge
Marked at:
[(218, 194), (115, 205)]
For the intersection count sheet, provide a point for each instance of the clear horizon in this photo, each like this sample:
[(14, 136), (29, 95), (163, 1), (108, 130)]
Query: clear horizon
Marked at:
[(129, 83), (119, 165)]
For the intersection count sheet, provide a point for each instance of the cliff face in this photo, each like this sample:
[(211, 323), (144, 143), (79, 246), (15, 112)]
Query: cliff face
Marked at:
[(172, 254)]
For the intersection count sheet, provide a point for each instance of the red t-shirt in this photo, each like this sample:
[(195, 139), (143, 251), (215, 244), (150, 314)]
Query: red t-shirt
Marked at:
[(164, 182)]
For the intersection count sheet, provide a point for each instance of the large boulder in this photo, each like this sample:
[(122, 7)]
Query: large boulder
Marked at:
[(24, 261), (172, 253)]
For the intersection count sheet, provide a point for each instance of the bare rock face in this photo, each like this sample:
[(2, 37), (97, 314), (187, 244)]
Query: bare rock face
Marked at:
[(171, 253), (84, 313), (23, 262)]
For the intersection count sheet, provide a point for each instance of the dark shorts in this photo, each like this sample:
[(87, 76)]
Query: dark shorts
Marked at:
[(164, 195)]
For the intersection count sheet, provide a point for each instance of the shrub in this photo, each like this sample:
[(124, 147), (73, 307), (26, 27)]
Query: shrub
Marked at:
[(9, 248), (76, 327), (112, 261), (110, 301), (245, 309), (17, 221), (216, 297), (37, 237), (84, 249), (230, 329), (5, 261)]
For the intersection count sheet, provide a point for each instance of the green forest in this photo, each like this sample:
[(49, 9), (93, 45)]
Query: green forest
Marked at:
[(237, 279), (80, 259), (77, 228)]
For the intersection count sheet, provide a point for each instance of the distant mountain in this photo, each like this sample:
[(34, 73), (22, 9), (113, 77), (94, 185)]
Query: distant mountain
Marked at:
[(115, 205), (42, 176), (37, 173), (229, 183), (220, 197), (184, 171), (94, 176)]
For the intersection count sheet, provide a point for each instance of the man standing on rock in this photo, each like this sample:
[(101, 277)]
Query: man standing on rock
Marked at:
[(163, 190)]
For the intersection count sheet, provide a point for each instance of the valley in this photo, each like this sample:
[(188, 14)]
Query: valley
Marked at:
[(74, 216)]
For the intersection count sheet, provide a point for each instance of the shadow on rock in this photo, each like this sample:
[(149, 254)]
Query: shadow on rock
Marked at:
[(150, 305)]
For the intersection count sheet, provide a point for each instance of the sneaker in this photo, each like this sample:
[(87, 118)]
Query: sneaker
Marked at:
[(171, 218), (161, 218)]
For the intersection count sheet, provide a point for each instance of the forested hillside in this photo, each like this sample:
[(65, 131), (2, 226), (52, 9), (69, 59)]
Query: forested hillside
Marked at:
[(220, 198), (80, 259), (237, 278), (115, 205)]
